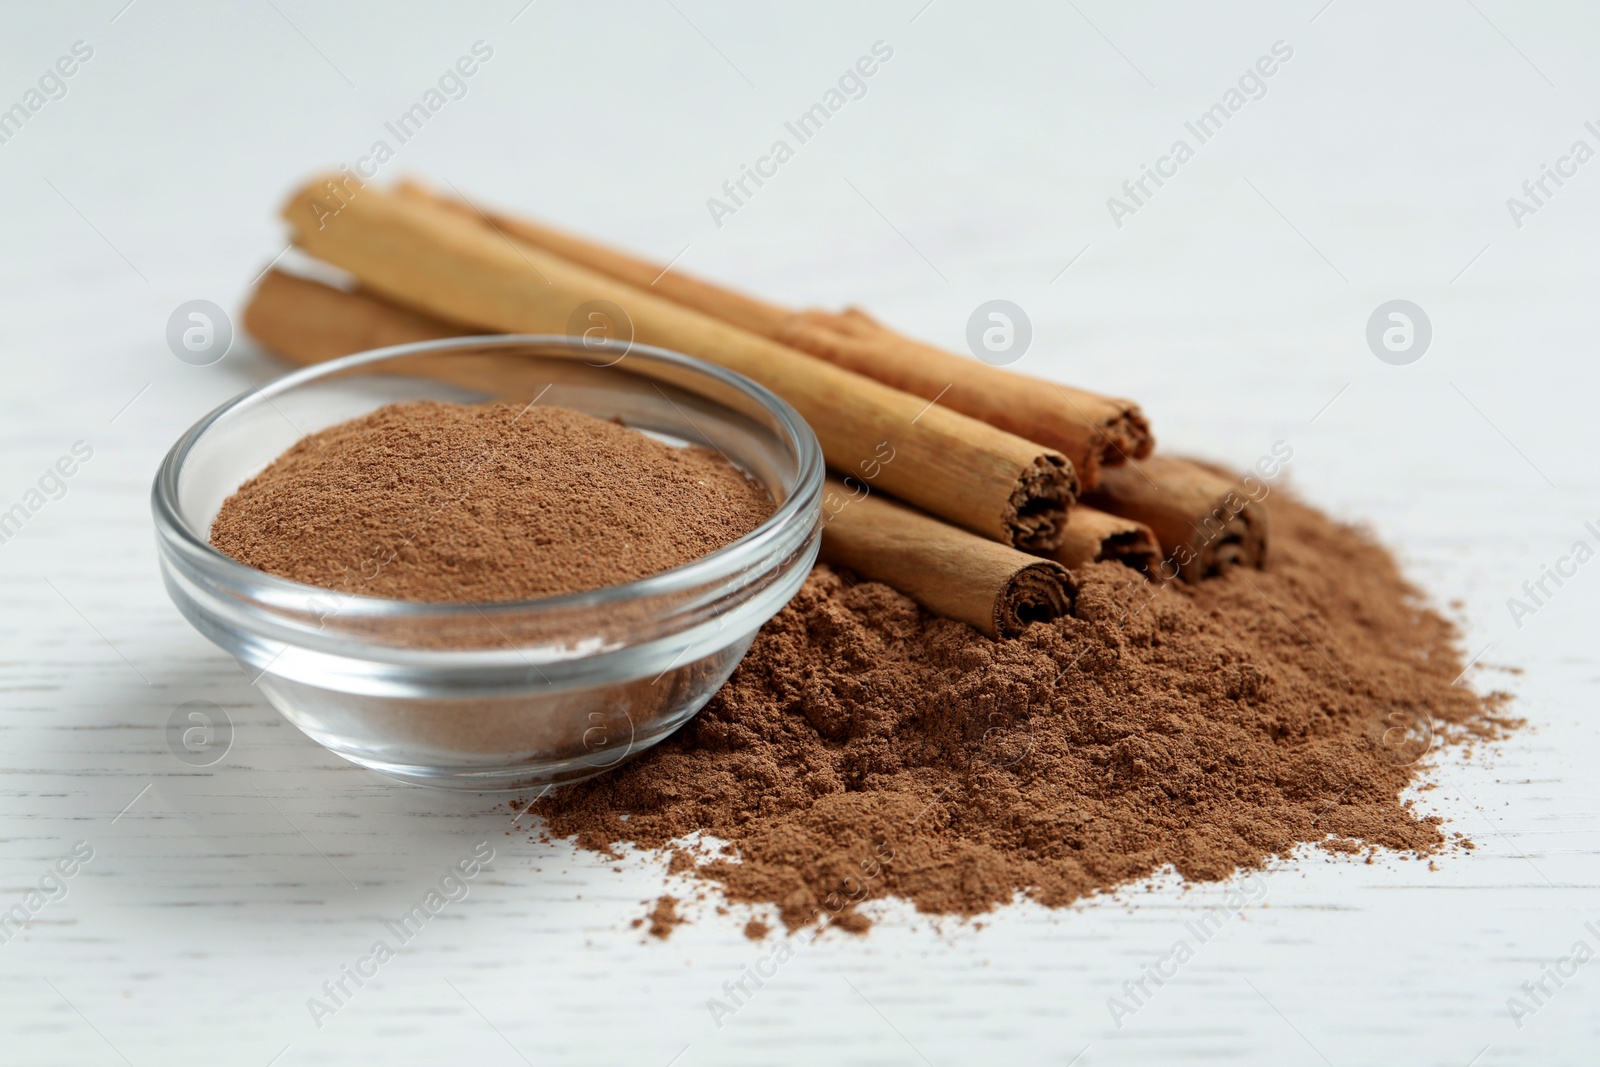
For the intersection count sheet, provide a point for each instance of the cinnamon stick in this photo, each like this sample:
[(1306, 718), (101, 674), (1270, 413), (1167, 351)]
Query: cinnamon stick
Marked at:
[(981, 478), (737, 309), (1204, 521), (1092, 430), (994, 589), (306, 321), (1095, 536)]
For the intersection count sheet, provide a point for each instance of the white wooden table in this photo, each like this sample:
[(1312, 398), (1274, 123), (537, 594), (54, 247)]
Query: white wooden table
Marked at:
[(977, 164)]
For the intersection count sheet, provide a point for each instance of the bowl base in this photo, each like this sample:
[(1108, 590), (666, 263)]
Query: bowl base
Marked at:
[(502, 780), (400, 741)]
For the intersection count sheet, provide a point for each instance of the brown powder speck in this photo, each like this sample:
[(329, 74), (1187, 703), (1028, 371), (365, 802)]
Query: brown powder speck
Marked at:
[(756, 930), (1341, 846), (867, 749), (664, 916), (484, 502)]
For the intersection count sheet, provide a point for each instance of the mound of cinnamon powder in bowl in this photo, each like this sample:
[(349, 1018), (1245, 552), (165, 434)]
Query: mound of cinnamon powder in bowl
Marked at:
[(484, 502), (865, 748)]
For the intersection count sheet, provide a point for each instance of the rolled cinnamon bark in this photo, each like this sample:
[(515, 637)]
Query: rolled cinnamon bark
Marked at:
[(306, 321), (1093, 431), (1090, 429), (1204, 521), (994, 589), (984, 479), (734, 308), (1094, 536)]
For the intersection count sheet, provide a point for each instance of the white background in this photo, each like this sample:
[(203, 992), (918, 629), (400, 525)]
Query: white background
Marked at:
[(978, 164)]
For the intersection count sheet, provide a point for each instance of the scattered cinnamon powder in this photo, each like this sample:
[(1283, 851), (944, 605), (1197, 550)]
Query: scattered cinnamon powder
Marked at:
[(664, 917), (865, 748), (484, 502)]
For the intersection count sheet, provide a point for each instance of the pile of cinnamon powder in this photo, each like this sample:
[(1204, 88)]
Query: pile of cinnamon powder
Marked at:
[(484, 502), (865, 748)]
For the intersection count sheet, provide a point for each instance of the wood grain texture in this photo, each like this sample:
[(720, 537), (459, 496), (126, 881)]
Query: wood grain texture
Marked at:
[(224, 896)]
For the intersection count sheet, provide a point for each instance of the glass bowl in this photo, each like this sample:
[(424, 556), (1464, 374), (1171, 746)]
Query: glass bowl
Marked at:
[(500, 695)]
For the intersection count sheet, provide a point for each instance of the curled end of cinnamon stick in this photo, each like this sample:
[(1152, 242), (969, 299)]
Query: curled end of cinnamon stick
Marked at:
[(1095, 536), (1122, 434), (1040, 592), (1136, 548), (1242, 543), (1127, 435), (1205, 520), (1036, 516)]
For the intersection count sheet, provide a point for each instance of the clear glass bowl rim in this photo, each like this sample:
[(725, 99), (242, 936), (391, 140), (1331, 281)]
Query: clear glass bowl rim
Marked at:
[(752, 549)]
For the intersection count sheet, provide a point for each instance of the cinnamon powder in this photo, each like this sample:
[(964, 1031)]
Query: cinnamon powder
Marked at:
[(866, 749), (484, 502), (663, 918)]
